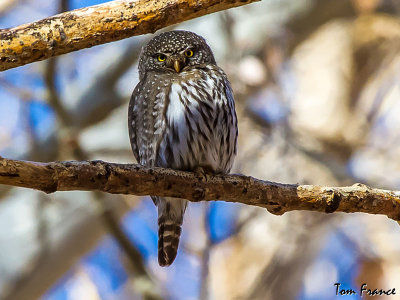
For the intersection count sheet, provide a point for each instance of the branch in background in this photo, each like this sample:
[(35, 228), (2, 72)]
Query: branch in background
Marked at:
[(139, 180), (295, 252), (205, 257), (143, 283), (100, 97), (317, 14), (23, 94), (53, 97), (34, 281), (6, 5), (99, 24)]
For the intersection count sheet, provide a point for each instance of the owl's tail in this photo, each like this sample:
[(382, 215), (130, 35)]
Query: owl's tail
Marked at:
[(170, 217)]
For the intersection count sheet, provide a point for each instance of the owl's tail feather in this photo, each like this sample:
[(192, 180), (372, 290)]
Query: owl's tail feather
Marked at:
[(169, 232), (170, 217)]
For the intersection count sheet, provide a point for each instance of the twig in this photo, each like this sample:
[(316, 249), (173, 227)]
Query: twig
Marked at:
[(99, 24), (139, 180), (53, 97), (22, 93)]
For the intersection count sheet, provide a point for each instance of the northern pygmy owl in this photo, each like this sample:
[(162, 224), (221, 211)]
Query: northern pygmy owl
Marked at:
[(181, 116)]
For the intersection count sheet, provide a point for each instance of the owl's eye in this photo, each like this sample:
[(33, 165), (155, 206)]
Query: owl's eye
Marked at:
[(161, 57), (189, 53)]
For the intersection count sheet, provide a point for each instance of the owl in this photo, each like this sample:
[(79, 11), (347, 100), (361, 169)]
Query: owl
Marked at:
[(181, 116)]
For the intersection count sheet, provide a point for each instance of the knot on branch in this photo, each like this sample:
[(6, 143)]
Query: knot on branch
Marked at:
[(362, 186), (333, 202), (8, 169), (198, 194)]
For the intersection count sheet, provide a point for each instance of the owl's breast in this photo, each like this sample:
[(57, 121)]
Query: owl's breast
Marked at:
[(198, 122)]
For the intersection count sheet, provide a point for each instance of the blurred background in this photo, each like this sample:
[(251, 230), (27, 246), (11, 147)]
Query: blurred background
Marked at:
[(317, 85)]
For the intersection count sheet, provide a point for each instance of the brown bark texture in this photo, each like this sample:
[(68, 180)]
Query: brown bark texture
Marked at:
[(99, 24), (138, 180)]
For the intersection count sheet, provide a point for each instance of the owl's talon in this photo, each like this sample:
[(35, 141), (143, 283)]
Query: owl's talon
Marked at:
[(203, 173)]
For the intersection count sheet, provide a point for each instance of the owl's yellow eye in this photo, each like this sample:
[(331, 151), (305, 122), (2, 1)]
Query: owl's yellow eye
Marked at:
[(189, 53), (161, 57)]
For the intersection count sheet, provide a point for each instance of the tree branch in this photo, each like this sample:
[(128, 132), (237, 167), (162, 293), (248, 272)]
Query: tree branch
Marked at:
[(99, 24), (139, 180)]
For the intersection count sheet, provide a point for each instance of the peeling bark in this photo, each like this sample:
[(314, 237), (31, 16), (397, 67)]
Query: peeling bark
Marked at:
[(138, 180), (99, 24)]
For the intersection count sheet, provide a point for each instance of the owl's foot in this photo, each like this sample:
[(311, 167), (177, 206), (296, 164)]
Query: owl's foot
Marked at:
[(203, 173)]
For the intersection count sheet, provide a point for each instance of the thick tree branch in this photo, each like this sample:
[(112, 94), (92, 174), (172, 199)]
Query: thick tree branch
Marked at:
[(138, 180), (99, 24)]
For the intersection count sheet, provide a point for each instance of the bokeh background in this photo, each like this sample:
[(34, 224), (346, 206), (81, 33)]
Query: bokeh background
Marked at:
[(317, 85)]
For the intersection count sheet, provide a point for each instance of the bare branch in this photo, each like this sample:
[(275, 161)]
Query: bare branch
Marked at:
[(138, 180), (99, 24)]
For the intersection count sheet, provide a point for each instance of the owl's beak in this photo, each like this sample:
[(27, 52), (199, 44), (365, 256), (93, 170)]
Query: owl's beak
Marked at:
[(177, 66)]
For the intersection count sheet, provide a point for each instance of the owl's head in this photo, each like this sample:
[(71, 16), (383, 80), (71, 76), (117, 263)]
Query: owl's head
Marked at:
[(175, 51)]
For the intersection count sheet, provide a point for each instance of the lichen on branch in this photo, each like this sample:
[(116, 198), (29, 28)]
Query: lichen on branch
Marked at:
[(138, 180), (99, 24)]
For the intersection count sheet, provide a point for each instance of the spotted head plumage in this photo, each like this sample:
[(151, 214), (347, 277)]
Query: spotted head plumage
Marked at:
[(175, 49), (181, 116)]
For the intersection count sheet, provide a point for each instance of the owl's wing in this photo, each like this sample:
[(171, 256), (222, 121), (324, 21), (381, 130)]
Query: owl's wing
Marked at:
[(132, 119), (233, 128), (146, 119), (229, 93)]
